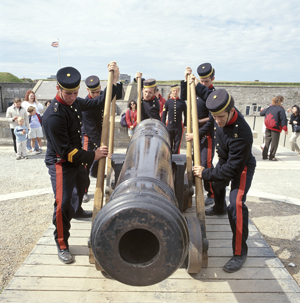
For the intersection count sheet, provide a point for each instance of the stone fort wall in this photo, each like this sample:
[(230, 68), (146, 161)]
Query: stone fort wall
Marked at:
[(8, 91), (248, 99)]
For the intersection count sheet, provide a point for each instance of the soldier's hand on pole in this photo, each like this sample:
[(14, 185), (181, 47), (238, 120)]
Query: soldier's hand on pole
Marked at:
[(138, 75), (189, 137), (193, 78), (187, 72), (112, 66), (101, 152), (197, 171)]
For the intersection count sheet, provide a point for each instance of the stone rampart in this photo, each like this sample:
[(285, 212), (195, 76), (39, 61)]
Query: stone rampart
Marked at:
[(261, 96), (248, 99), (8, 91)]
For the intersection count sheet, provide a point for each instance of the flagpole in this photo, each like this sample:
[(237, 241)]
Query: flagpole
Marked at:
[(58, 54)]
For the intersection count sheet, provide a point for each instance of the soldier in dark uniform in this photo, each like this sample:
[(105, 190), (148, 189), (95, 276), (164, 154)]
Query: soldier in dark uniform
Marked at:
[(150, 103), (174, 108), (207, 143), (236, 165), (65, 157), (92, 125)]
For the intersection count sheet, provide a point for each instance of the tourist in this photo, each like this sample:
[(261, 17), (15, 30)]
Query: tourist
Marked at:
[(295, 123), (275, 121), (161, 100), (21, 132), (36, 132), (131, 117), (31, 100), (12, 113)]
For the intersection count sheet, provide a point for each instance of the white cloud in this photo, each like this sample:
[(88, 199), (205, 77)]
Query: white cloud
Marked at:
[(244, 40)]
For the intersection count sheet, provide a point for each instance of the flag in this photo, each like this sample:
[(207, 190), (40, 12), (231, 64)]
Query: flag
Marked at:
[(54, 44)]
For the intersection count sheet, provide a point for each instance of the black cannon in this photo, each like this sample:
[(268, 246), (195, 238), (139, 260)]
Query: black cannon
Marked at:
[(140, 237)]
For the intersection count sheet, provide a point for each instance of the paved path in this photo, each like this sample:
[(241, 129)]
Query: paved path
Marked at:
[(262, 279), (272, 180)]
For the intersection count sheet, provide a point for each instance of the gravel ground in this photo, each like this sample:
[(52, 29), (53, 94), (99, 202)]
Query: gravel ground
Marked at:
[(24, 220)]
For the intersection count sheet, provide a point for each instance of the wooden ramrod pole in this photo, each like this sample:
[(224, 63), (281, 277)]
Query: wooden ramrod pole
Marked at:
[(99, 191), (189, 143), (139, 100), (111, 146), (200, 208)]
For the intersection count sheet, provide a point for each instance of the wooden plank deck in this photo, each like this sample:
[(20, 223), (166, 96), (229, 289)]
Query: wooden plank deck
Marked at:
[(43, 278)]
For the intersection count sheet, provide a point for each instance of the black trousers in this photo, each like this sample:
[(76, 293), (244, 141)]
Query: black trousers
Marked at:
[(87, 145), (14, 139), (91, 170), (68, 184), (271, 137), (237, 210), (175, 133), (207, 147)]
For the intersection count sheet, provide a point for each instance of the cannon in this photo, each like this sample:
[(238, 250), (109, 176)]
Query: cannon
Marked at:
[(140, 237)]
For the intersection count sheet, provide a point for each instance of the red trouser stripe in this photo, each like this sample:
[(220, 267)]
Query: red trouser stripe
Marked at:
[(59, 195), (239, 213), (85, 142), (209, 159), (85, 147)]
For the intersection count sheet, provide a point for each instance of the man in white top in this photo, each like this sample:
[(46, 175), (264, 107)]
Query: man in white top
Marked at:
[(12, 113)]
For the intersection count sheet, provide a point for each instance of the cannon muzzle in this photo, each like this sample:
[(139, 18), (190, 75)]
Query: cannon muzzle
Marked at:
[(140, 237)]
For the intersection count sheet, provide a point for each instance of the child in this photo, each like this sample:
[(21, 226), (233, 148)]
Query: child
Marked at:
[(21, 132), (35, 124)]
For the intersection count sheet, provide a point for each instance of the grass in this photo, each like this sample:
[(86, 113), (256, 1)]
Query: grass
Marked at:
[(240, 83), (9, 78)]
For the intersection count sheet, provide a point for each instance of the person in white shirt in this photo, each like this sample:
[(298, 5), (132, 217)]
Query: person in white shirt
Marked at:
[(12, 113)]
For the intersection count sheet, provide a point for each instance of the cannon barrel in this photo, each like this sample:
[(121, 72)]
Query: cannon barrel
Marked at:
[(140, 237)]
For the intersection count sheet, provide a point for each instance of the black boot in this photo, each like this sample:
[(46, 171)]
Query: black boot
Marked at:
[(211, 212), (83, 214), (235, 263), (65, 256)]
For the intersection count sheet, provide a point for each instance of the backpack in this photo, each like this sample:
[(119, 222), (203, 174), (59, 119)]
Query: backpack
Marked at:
[(123, 119), (39, 117)]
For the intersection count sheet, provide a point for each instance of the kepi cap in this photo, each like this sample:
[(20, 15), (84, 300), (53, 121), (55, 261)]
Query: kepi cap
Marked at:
[(92, 82), (218, 101), (205, 70), (149, 83), (175, 86), (68, 78)]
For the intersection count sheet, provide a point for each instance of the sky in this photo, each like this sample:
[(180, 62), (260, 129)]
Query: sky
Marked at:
[(244, 40)]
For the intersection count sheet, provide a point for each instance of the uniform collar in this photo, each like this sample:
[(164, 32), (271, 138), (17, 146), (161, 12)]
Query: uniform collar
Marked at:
[(233, 119), (150, 99), (90, 97), (211, 86), (175, 99), (60, 100)]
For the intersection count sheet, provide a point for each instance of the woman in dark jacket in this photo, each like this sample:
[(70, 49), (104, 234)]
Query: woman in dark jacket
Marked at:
[(275, 121), (295, 120)]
